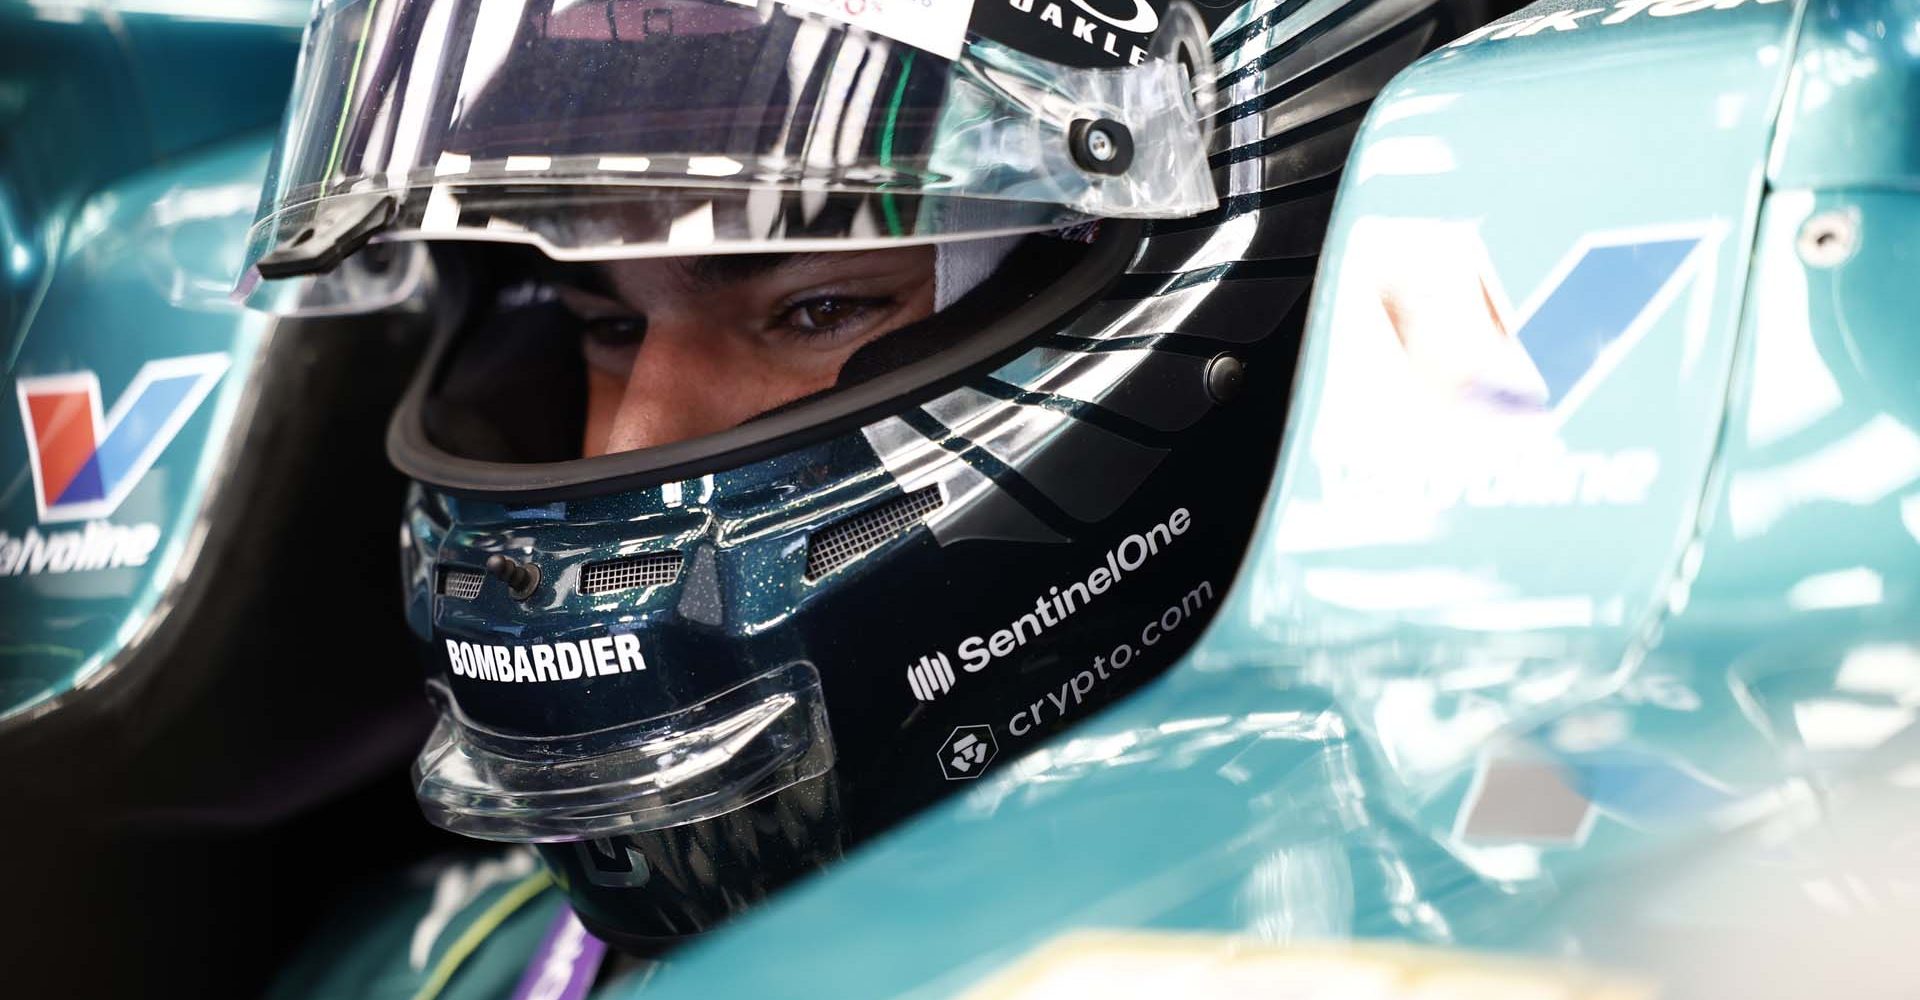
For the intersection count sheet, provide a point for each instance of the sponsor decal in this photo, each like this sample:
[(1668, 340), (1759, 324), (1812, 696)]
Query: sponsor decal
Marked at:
[(543, 662), (967, 752), (1574, 19), (1072, 32), (85, 463), (1076, 689), (933, 675), (1465, 395), (99, 545), (936, 26)]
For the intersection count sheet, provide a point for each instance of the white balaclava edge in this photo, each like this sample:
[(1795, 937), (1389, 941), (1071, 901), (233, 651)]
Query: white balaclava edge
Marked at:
[(960, 266)]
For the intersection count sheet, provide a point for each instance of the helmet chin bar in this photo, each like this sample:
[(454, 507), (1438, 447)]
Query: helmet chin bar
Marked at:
[(645, 892), (707, 759)]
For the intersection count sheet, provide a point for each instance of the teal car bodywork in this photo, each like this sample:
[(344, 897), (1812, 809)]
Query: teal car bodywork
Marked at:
[(1519, 653), (1591, 559), (125, 193)]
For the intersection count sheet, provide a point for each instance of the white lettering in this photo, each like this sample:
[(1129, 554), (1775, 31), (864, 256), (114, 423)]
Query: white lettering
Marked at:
[(627, 646), (539, 663), (976, 652), (1565, 20), (1076, 690), (1570, 20), (1143, 22), (569, 659), (95, 546)]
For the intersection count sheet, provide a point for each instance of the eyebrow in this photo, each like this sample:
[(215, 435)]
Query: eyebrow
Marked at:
[(719, 270)]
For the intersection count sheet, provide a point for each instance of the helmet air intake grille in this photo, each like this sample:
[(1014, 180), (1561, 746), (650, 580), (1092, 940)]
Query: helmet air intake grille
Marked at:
[(649, 570), (461, 583), (844, 541)]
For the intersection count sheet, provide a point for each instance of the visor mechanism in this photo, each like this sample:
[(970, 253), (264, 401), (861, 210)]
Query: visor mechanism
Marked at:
[(1100, 145), (338, 229), (521, 578)]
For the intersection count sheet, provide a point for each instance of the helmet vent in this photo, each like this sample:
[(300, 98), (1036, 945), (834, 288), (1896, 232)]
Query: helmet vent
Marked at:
[(461, 583), (844, 541), (649, 570)]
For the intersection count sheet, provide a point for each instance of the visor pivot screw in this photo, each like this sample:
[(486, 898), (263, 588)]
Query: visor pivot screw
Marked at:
[(1101, 145), (519, 577), (1226, 376)]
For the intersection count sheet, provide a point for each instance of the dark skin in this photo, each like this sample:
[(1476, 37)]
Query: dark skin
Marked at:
[(682, 347)]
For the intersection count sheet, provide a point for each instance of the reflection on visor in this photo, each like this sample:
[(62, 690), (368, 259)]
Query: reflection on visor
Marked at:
[(703, 761), (578, 360), (555, 362), (610, 128)]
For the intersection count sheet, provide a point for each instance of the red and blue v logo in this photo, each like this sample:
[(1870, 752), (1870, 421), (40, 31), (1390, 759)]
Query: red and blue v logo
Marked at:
[(84, 465)]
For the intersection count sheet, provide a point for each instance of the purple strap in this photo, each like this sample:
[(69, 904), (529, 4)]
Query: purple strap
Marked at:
[(563, 967)]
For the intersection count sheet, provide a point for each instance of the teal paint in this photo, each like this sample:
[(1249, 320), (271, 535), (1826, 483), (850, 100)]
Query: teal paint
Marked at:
[(1303, 773), (144, 276), (1725, 636)]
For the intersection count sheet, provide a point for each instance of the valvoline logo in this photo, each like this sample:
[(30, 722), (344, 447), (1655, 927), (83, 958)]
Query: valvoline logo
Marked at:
[(1441, 392), (84, 464), (1547, 354), (1604, 294)]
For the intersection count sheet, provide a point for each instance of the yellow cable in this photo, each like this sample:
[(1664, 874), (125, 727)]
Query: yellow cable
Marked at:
[(477, 931)]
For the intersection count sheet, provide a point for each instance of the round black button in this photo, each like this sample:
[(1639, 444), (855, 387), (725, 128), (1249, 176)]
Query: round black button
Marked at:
[(1101, 145)]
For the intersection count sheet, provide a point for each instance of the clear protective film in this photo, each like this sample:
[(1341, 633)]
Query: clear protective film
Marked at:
[(705, 760), (599, 129)]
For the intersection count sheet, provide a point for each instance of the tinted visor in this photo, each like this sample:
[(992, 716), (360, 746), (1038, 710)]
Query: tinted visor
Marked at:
[(630, 128)]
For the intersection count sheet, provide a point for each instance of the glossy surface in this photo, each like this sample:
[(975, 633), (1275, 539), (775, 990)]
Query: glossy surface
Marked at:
[(1848, 115), (160, 80), (143, 277), (1664, 726), (119, 187), (1092, 496), (1475, 723)]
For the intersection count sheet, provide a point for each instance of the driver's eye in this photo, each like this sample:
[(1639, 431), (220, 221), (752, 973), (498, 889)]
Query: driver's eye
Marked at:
[(615, 331), (823, 313)]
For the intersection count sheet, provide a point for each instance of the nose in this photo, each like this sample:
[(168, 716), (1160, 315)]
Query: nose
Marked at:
[(690, 380)]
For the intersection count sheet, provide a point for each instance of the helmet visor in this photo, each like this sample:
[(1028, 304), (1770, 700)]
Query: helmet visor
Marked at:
[(599, 129)]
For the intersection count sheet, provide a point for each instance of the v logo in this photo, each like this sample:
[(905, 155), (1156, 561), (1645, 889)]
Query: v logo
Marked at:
[(1604, 292), (84, 465)]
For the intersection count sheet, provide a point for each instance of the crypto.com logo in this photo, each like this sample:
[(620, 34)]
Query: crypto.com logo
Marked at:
[(967, 752), (84, 464)]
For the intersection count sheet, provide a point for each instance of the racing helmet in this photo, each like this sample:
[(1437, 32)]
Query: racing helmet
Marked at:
[(695, 623)]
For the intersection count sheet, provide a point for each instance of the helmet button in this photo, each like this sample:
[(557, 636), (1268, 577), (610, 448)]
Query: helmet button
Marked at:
[(1100, 145), (1226, 376), (519, 577)]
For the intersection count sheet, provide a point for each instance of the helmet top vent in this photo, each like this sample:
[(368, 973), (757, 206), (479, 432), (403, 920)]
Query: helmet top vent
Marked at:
[(846, 540), (651, 569)]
